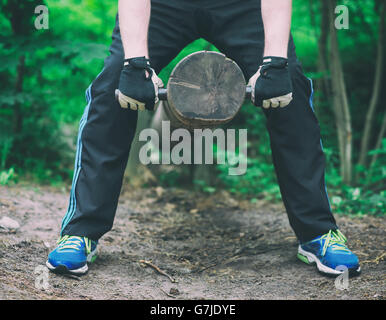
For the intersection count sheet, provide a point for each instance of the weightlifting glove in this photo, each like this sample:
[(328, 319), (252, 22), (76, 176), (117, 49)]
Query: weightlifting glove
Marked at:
[(271, 84), (138, 85)]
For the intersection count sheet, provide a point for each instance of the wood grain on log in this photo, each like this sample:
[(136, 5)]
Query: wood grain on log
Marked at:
[(205, 89)]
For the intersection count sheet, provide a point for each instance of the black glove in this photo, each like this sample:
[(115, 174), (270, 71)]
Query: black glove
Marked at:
[(271, 84), (138, 85)]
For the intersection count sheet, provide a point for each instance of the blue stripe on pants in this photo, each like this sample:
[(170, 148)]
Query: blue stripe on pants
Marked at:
[(77, 168), (321, 144)]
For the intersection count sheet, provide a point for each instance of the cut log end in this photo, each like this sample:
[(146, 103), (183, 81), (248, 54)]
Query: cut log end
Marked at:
[(205, 89)]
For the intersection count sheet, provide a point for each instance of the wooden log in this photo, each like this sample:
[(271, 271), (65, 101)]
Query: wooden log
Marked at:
[(205, 89)]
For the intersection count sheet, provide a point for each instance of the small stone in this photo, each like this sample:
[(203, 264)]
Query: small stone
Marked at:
[(174, 291), (8, 223), (159, 191)]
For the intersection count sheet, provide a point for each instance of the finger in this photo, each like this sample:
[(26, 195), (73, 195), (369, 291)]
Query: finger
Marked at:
[(123, 103), (266, 104), (133, 106), (285, 100), (156, 80), (252, 84), (275, 102), (252, 93), (141, 106), (121, 100), (159, 82), (252, 80), (124, 100)]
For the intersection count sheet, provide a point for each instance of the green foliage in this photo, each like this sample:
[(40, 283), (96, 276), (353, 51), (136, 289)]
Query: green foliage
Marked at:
[(6, 176), (368, 197), (169, 178), (356, 201), (40, 72), (203, 186), (258, 182)]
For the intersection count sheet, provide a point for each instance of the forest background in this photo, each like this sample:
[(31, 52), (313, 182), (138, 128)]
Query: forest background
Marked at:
[(44, 74)]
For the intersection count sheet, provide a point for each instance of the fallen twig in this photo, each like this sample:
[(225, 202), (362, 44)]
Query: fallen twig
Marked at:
[(168, 294), (207, 267), (377, 259), (150, 264)]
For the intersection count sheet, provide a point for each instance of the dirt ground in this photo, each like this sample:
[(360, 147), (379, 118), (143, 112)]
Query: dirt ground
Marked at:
[(208, 247)]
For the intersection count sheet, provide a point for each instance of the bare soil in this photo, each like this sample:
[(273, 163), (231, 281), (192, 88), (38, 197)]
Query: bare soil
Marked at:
[(206, 247)]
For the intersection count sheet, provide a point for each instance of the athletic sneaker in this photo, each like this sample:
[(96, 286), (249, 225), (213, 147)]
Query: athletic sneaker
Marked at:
[(72, 254), (330, 254)]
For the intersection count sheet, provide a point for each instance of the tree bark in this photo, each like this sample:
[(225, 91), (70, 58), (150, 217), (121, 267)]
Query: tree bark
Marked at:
[(323, 83), (340, 101), (368, 127), (322, 59), (17, 112), (378, 144)]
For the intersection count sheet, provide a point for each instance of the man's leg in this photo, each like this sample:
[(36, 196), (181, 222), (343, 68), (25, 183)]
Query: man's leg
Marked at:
[(106, 130), (105, 135), (237, 30)]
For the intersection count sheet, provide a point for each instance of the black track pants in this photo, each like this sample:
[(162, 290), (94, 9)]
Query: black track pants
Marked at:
[(106, 130)]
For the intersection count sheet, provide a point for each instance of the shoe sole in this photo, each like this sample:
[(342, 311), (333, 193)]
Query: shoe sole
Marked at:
[(61, 268), (309, 258)]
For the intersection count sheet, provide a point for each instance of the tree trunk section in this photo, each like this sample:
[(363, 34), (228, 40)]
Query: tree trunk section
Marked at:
[(376, 92), (17, 112), (340, 102), (378, 144), (323, 83)]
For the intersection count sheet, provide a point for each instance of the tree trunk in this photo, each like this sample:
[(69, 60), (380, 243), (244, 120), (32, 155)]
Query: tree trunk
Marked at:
[(376, 92), (323, 83), (340, 102), (378, 144), (17, 112)]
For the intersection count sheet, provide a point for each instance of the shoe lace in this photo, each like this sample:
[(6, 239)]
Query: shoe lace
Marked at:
[(335, 240), (74, 242)]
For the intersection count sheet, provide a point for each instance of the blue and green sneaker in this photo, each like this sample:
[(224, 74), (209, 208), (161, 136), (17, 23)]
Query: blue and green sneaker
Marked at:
[(330, 254), (72, 254)]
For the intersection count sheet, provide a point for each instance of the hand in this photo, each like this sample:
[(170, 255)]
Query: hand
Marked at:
[(138, 85), (271, 84)]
